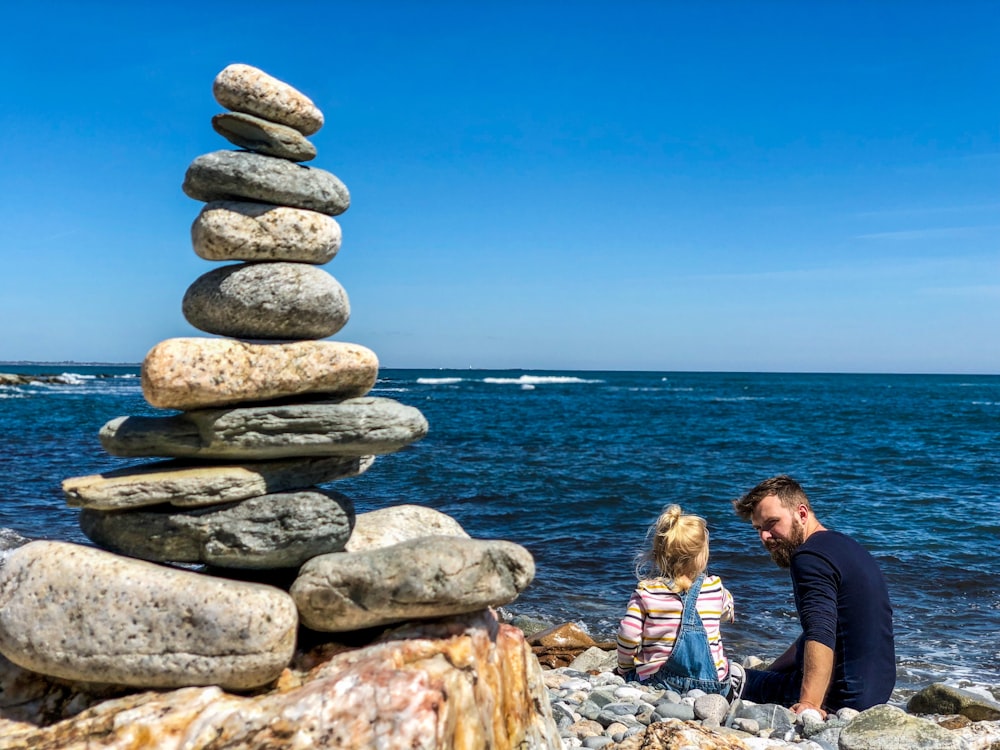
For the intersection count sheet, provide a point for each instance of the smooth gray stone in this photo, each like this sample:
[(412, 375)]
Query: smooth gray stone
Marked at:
[(877, 727), (711, 707), (768, 716), (241, 175), (267, 301), (241, 230), (263, 136), (353, 427), (428, 577), (82, 614), (399, 523), (188, 484), (281, 530), (667, 710)]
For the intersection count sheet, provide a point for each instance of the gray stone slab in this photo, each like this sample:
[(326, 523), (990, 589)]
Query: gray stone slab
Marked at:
[(263, 136), (421, 578), (186, 484), (242, 175), (352, 427), (280, 530)]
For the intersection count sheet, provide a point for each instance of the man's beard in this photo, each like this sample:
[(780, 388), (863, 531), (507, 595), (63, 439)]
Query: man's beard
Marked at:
[(781, 549)]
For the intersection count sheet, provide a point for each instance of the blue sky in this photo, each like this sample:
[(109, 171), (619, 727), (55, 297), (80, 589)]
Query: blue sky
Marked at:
[(762, 186)]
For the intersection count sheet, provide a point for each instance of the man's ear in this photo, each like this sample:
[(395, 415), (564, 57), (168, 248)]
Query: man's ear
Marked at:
[(802, 512)]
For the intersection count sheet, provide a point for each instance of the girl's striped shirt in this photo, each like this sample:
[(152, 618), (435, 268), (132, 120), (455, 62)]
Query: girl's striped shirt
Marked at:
[(647, 632)]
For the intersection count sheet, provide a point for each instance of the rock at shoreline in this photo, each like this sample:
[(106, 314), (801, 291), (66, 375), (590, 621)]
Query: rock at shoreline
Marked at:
[(237, 230), (194, 373), (79, 613), (244, 88), (263, 136), (187, 484), (267, 301), (242, 175), (399, 523), (281, 530), (944, 699), (889, 727), (354, 427), (462, 683), (420, 578)]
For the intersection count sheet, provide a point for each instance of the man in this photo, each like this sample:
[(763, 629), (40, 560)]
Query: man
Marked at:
[(845, 657)]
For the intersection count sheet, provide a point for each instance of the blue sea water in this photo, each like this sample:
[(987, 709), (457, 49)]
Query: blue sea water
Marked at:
[(576, 465)]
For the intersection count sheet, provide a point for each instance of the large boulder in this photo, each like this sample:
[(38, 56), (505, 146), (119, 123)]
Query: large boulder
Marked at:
[(945, 699), (83, 614), (281, 530), (352, 427), (463, 684), (400, 523), (886, 727), (196, 373), (432, 576)]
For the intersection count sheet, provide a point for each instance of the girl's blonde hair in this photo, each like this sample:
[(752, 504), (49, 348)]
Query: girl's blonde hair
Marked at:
[(676, 549)]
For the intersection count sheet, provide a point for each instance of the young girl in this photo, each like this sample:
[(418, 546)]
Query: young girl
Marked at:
[(669, 637)]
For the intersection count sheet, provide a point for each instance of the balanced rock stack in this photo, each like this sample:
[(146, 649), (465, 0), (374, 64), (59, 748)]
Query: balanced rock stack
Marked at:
[(261, 417)]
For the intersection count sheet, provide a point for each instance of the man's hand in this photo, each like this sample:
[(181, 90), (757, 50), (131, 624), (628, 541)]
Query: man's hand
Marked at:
[(816, 673), (807, 706)]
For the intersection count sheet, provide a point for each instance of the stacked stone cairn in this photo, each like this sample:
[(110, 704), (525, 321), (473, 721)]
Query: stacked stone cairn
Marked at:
[(261, 415)]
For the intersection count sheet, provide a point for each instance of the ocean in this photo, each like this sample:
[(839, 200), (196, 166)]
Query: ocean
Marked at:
[(576, 465)]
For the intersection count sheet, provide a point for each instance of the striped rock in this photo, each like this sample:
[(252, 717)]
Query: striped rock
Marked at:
[(234, 230), (263, 137), (244, 88), (267, 301), (193, 373), (79, 613), (281, 530), (242, 175), (185, 484), (353, 427)]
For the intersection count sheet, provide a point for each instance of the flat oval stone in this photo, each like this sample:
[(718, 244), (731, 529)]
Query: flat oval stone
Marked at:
[(185, 484), (427, 577), (353, 427), (242, 175), (263, 136), (237, 230), (267, 301), (244, 88), (194, 373), (83, 614), (400, 523), (281, 530)]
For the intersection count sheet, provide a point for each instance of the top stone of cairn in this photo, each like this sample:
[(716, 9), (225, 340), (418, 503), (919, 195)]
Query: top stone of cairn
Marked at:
[(243, 88)]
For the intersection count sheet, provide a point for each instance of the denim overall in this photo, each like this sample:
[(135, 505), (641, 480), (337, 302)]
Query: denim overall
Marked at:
[(690, 664)]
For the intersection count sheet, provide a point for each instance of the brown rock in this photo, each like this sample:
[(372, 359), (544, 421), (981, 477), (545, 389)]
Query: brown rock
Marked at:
[(567, 635), (461, 684), (674, 734), (193, 373)]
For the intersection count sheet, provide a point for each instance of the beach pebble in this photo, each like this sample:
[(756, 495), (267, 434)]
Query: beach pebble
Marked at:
[(263, 136), (194, 373), (400, 523), (711, 707), (433, 576), (238, 230), (267, 301), (242, 175), (83, 614), (353, 427), (244, 88), (184, 484), (279, 530)]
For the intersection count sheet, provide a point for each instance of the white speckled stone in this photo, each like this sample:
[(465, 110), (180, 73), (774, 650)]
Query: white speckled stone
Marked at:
[(238, 230), (267, 301), (399, 523), (194, 373), (83, 614), (244, 88)]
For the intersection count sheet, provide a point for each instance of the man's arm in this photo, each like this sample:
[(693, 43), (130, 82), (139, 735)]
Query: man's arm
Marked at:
[(785, 662), (816, 673)]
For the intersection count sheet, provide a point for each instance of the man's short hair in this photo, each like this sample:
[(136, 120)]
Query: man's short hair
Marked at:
[(786, 489)]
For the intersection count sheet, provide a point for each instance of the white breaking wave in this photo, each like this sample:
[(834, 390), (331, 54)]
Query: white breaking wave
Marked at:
[(538, 380), (439, 381), (73, 378)]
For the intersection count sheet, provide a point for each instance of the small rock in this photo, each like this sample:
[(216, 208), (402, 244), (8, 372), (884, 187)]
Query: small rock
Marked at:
[(595, 659), (244, 88), (712, 707), (680, 711), (263, 136), (242, 175), (356, 426), (746, 725), (195, 373), (267, 301), (238, 230), (567, 634), (421, 578)]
